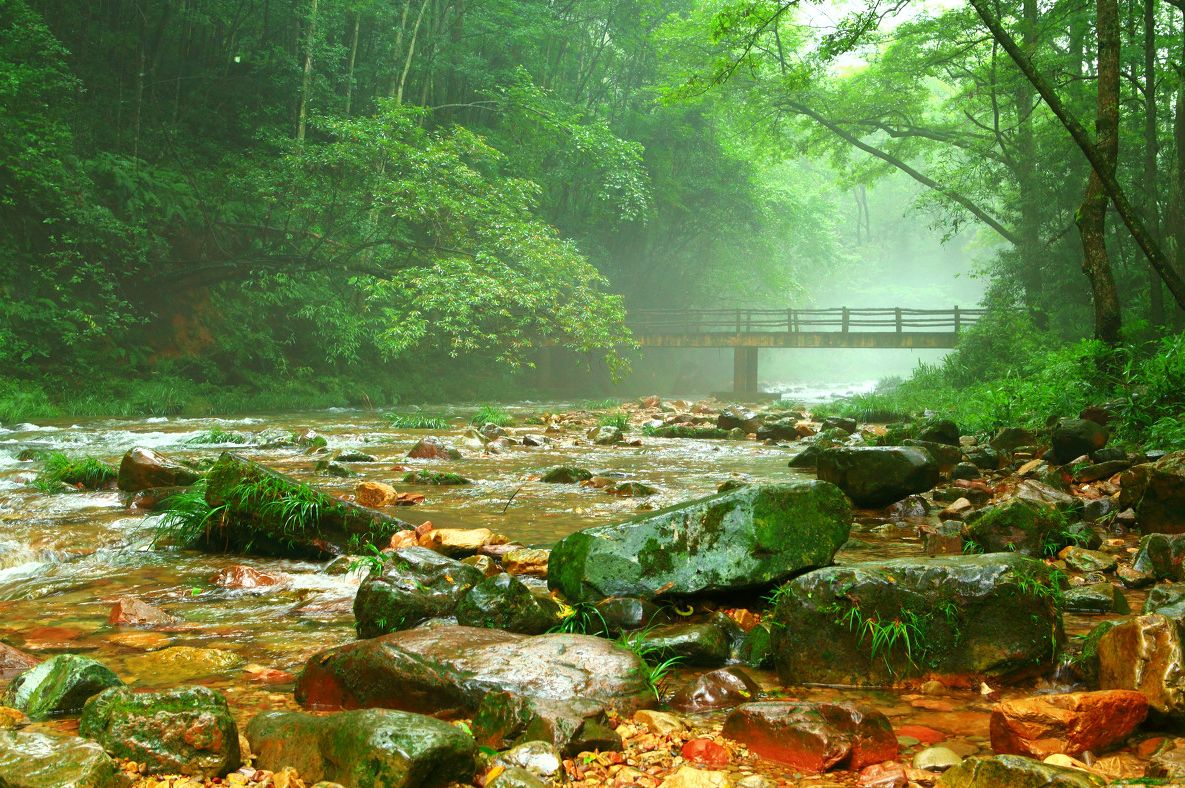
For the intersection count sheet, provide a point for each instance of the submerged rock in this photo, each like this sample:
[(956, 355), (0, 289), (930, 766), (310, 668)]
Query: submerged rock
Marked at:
[(1069, 724), (372, 748), (38, 760), (955, 618), (1016, 771), (566, 474), (60, 685), (876, 476), (813, 737), (743, 540), (447, 670), (719, 689), (416, 584)]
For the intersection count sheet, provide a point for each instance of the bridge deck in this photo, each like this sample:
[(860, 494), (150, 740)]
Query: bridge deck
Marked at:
[(787, 339)]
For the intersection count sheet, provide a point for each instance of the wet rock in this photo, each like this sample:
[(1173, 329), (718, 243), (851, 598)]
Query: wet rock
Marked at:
[(1009, 439), (142, 469), (945, 455), (913, 506), (966, 617), (184, 663), (956, 511), (964, 470), (59, 685), (1016, 525), (516, 777), (38, 760), (1096, 598), (936, 759), (1144, 654), (813, 737), (756, 650), (744, 540), (605, 435), (241, 578), (1081, 560), (1040, 492), (353, 455), (1167, 600), (736, 417), (334, 468), (431, 447), (484, 564), (1130, 578), (374, 495), (526, 561), (1156, 491), (839, 423), (1161, 556), (705, 752), (448, 669), (571, 726), (1167, 765), (1070, 724), (1016, 771), (185, 730), (875, 476), (719, 689), (1100, 470), (619, 614), (371, 748), (780, 429), (939, 430), (889, 774), (659, 722), (438, 478), (566, 474), (1074, 437), (694, 644), (129, 611), (537, 757), (456, 542), (253, 523), (504, 602), (691, 777), (416, 584)]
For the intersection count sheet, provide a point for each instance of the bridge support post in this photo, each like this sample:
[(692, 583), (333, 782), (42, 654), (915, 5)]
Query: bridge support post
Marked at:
[(744, 370)]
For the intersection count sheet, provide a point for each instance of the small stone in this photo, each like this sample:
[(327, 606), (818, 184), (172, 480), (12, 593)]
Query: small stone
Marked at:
[(537, 757), (374, 494), (933, 687), (132, 612), (659, 722), (455, 541), (889, 774), (936, 759), (690, 777), (526, 561), (240, 578), (706, 752), (956, 510)]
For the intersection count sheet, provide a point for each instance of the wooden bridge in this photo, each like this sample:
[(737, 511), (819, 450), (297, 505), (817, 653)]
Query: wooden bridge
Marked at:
[(749, 330)]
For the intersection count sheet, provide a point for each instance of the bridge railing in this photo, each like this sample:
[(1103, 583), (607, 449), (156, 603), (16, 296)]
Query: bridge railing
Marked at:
[(841, 319)]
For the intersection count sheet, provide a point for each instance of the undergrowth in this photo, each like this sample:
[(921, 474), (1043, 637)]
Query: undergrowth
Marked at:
[(416, 421), (61, 470), (492, 414)]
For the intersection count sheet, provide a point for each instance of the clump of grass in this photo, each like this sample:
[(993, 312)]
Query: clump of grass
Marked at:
[(618, 418), (582, 618), (684, 431), (598, 404), (659, 671), (60, 470), (492, 414), (416, 421), (219, 436), (188, 516)]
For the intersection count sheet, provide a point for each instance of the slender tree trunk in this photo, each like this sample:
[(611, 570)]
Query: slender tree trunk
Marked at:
[(1030, 206), (1152, 215), (353, 57), (1092, 216), (411, 50), (1179, 144), (307, 79)]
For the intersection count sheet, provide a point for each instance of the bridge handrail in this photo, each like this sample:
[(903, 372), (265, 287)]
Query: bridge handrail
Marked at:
[(698, 321)]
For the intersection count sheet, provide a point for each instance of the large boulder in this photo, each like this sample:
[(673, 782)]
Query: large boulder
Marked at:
[(735, 416), (1070, 724), (371, 748), (1161, 556), (185, 730), (960, 619), (1156, 490), (876, 476), (725, 688), (416, 584), (746, 539), (1017, 525), (693, 644), (1016, 771), (38, 760), (267, 513), (60, 685), (433, 448), (143, 469), (1072, 438), (446, 670), (1145, 654), (504, 602), (813, 737), (940, 430), (571, 726)]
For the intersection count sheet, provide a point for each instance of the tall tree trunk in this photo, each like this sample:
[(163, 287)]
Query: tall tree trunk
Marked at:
[(353, 57), (1028, 228), (1092, 216), (411, 50), (307, 79), (1152, 215), (1179, 144)]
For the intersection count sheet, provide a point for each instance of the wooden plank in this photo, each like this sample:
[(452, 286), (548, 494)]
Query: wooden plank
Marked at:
[(803, 339)]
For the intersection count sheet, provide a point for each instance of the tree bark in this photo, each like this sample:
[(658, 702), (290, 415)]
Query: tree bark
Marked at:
[(1151, 187), (307, 79), (353, 57)]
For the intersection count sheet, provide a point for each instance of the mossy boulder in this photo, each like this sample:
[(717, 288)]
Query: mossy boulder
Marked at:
[(939, 430), (1156, 490), (267, 513), (743, 540), (416, 584), (60, 685), (1016, 771), (1161, 556), (960, 619), (566, 474), (185, 730), (1017, 525), (572, 726), (439, 478), (876, 476), (504, 602), (371, 748), (38, 760), (1072, 438), (704, 645)]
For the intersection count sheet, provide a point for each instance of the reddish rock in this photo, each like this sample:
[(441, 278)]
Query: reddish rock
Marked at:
[(889, 774), (14, 661), (240, 577), (130, 611), (719, 689), (404, 539), (1070, 724), (922, 733), (374, 494), (433, 448), (142, 469), (705, 752), (814, 737)]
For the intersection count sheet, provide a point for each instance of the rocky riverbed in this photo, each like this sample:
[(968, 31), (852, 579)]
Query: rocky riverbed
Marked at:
[(665, 594)]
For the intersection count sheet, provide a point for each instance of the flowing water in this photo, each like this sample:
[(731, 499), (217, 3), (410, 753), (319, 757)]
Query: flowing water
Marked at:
[(65, 558)]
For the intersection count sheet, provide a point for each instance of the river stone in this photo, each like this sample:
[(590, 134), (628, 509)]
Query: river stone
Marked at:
[(1016, 771), (743, 540), (1156, 491), (1069, 724), (605, 435), (945, 455), (1167, 600), (1145, 654), (692, 644), (446, 670), (756, 650), (779, 429), (719, 689), (737, 417), (431, 447), (936, 759), (876, 476), (813, 737), (621, 613), (416, 584), (340, 527), (184, 730), (370, 748), (183, 663), (1096, 598), (1082, 560), (838, 423), (566, 474), (1016, 525), (572, 726), (142, 469), (940, 430), (516, 777), (60, 685), (968, 618), (538, 757), (1071, 438), (14, 661), (504, 602), (1161, 556), (38, 760)]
